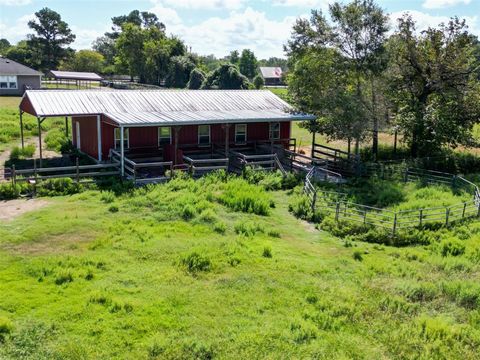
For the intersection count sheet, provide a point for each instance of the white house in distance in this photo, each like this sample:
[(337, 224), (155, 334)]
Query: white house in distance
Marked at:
[(272, 75), (15, 78)]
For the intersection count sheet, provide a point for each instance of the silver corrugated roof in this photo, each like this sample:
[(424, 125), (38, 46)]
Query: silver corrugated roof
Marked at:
[(75, 75), (137, 107)]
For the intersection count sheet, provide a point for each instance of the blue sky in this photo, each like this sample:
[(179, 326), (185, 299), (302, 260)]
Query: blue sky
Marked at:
[(216, 26)]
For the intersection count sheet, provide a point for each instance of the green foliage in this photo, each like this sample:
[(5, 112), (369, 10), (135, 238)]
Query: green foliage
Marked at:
[(85, 61), (179, 71), (451, 247), (248, 228), (195, 263), (6, 328), (18, 153), (248, 63), (267, 252), (57, 141), (9, 191), (197, 77), (107, 197), (357, 255), (226, 76), (241, 196), (60, 186)]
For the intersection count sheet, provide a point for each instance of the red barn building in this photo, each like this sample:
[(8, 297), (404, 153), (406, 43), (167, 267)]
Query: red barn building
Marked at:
[(163, 123)]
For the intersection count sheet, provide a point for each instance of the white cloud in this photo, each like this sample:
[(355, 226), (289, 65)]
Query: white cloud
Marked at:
[(424, 21), (301, 3), (18, 30), (239, 30), (202, 4), (441, 4), (166, 15), (15, 2), (85, 37)]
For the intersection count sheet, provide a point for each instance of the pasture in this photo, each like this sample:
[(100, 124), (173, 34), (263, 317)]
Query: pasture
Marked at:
[(219, 268)]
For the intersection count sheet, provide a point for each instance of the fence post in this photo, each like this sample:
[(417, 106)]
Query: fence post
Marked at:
[(364, 217), (13, 175), (78, 170), (420, 218), (464, 208), (314, 200), (447, 215), (337, 211), (394, 224), (405, 176), (34, 177)]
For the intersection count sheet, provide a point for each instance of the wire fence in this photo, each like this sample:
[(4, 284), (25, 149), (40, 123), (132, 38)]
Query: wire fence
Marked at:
[(337, 203)]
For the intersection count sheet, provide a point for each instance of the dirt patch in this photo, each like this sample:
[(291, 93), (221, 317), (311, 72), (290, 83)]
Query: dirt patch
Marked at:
[(61, 244), (13, 208)]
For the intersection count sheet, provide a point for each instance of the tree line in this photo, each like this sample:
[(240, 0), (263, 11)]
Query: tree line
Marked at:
[(355, 72), (138, 46)]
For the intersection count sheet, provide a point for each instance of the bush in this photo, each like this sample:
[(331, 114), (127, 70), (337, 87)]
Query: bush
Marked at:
[(6, 328), (248, 228), (258, 82), (9, 191), (107, 197), (208, 216), (57, 141), (19, 153), (267, 252), (56, 187), (451, 247), (220, 227), (195, 262), (188, 212), (357, 255), (113, 208), (63, 277), (241, 196)]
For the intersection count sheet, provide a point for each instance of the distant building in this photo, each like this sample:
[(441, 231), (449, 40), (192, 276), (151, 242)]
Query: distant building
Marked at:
[(272, 75), (78, 79), (15, 78)]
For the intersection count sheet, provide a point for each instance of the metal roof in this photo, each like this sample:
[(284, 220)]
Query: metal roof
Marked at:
[(75, 75), (138, 107), (10, 67), (271, 72)]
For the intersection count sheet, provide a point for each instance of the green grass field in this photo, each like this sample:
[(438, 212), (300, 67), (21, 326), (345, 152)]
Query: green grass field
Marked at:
[(188, 270)]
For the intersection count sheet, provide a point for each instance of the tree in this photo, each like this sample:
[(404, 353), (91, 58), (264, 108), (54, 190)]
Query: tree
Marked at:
[(130, 50), (86, 60), (25, 54), (52, 35), (274, 62), (434, 84), (226, 76), (197, 77), (105, 46), (234, 57), (4, 46), (142, 19), (248, 64), (357, 33), (179, 71), (258, 82)]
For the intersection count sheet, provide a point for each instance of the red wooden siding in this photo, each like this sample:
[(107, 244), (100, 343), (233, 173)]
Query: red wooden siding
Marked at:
[(26, 106), (88, 134)]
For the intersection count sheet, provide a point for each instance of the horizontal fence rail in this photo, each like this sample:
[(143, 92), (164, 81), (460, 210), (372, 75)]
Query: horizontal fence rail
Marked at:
[(394, 220)]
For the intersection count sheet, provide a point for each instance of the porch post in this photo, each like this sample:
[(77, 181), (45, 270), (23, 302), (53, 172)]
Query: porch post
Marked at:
[(66, 127), (271, 138), (227, 138), (122, 153), (176, 130), (313, 144), (99, 138), (21, 128), (40, 139)]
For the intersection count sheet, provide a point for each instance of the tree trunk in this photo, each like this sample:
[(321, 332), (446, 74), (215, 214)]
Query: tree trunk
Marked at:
[(375, 123)]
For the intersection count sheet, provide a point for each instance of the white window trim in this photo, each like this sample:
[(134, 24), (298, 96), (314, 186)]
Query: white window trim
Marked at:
[(7, 79), (209, 135), (270, 131), (126, 131), (158, 134), (246, 132)]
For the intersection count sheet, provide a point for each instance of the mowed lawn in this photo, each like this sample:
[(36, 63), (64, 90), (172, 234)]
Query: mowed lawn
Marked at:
[(173, 271)]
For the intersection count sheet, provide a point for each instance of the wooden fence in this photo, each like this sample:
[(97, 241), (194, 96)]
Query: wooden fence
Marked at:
[(336, 203), (201, 166), (79, 173)]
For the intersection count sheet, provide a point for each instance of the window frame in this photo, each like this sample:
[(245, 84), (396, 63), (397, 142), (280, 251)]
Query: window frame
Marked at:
[(209, 136), (271, 131), (164, 137), (8, 80), (126, 138), (236, 134)]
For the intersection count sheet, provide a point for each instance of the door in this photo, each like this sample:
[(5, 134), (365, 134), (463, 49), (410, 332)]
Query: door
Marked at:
[(77, 127)]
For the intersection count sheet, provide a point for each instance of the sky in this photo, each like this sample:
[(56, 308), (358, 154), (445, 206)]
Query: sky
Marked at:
[(217, 26)]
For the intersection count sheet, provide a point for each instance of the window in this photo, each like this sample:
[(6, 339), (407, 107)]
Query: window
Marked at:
[(126, 142), (274, 130), (8, 82), (240, 133), (164, 135), (204, 134)]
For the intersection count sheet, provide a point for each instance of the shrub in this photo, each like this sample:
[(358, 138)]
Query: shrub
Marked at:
[(267, 252), (57, 141), (188, 212), (195, 262), (248, 228), (19, 153), (208, 216), (241, 196), (220, 227), (273, 233), (451, 247), (6, 328), (303, 332), (56, 187), (100, 298), (63, 277), (9, 191), (107, 197), (357, 255), (113, 208)]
